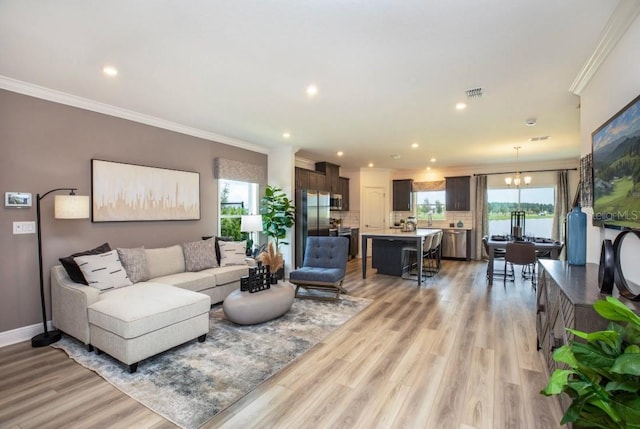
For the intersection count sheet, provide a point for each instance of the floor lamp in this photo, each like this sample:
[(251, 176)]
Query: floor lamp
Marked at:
[(251, 224), (70, 206)]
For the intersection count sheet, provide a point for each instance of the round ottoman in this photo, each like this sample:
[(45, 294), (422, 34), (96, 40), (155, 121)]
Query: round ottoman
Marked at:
[(246, 308)]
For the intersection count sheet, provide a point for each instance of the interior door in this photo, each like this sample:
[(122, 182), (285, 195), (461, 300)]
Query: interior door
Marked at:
[(374, 213)]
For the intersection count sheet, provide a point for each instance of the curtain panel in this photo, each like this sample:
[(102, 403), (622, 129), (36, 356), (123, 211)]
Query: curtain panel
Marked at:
[(561, 206), (230, 169), (481, 220)]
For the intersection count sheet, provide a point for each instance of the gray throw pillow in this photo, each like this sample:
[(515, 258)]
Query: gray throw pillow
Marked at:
[(199, 255), (134, 262)]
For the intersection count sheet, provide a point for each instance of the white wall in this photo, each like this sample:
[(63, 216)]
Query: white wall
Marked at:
[(615, 84), (281, 173)]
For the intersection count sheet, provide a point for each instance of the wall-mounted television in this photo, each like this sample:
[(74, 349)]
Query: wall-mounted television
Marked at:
[(616, 169)]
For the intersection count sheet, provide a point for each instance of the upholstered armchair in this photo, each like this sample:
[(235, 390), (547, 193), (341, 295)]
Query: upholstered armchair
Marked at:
[(324, 267)]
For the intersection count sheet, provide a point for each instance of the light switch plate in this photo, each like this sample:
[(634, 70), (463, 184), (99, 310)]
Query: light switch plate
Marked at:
[(24, 227)]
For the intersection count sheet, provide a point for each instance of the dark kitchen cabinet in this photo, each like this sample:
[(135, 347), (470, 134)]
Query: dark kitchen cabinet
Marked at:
[(317, 181), (458, 194), (402, 195), (344, 191), (355, 242), (332, 174), (302, 178)]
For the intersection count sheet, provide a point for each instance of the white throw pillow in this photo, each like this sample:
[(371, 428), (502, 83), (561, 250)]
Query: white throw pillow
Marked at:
[(232, 253), (103, 271)]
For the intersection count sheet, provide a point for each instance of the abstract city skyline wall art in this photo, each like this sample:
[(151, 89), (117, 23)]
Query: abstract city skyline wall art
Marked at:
[(128, 192)]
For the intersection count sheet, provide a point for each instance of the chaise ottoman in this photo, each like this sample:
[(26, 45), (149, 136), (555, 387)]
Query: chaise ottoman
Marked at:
[(245, 308), (136, 322)]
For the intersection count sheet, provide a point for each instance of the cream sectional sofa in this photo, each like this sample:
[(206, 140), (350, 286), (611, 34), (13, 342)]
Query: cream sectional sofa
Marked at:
[(134, 322)]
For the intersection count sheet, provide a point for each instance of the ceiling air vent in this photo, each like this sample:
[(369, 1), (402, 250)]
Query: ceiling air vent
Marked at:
[(474, 93), (539, 139)]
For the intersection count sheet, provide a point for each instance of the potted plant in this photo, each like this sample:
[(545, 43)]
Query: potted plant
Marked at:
[(278, 215), (603, 372)]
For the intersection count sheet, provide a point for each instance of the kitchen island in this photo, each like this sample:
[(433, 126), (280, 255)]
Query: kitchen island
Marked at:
[(387, 249)]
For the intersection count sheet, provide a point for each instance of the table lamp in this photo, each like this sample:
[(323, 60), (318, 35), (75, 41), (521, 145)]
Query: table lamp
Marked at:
[(251, 224)]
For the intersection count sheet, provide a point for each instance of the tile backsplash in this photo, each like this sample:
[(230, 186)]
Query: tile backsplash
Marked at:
[(450, 217)]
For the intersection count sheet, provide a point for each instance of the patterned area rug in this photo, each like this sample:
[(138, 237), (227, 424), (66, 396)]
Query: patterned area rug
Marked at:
[(190, 384)]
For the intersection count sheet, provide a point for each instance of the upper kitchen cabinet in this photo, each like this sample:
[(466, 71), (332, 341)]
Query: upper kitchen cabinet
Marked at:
[(318, 181), (332, 174), (302, 178), (344, 191), (402, 195), (458, 193)]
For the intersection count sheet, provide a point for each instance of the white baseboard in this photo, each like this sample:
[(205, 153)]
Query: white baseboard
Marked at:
[(19, 335)]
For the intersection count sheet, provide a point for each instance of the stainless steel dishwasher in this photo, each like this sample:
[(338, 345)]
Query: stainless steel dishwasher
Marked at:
[(454, 243)]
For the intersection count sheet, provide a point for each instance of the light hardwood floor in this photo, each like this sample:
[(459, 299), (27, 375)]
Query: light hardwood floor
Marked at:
[(453, 353)]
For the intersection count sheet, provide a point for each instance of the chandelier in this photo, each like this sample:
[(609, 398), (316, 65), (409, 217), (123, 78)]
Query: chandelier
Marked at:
[(517, 179)]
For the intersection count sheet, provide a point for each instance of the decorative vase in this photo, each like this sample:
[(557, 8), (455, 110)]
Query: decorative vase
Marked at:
[(577, 237)]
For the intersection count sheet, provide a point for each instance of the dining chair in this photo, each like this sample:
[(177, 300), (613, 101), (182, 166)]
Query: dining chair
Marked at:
[(498, 255), (522, 253)]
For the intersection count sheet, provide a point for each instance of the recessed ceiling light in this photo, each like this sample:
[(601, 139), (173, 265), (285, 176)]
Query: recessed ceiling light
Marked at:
[(286, 135), (371, 164), (414, 145), (432, 160), (428, 168), (340, 153), (312, 90), (530, 122), (110, 71), (461, 106)]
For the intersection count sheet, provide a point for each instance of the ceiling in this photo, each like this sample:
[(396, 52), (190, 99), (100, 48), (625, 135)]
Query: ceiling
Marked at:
[(389, 73)]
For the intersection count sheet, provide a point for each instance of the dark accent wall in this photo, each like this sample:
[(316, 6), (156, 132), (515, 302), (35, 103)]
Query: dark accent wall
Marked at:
[(46, 145)]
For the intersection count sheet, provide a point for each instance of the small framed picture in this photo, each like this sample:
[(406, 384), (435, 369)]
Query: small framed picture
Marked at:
[(17, 199)]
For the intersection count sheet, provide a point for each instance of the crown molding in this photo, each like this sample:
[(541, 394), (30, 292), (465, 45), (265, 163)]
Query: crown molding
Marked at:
[(617, 25), (60, 97)]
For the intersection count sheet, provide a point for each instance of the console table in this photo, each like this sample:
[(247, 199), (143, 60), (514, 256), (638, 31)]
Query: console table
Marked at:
[(564, 299)]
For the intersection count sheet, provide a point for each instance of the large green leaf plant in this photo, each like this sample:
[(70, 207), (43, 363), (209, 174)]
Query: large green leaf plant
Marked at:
[(278, 215), (602, 374)]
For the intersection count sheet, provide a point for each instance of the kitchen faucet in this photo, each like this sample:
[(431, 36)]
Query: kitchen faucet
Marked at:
[(429, 219)]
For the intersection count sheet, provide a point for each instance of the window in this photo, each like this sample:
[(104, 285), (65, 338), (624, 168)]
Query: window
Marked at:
[(236, 199), (537, 203), (430, 202)]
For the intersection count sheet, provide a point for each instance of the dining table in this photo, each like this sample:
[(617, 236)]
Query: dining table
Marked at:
[(546, 245)]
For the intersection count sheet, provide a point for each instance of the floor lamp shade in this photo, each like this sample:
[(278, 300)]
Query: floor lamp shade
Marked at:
[(70, 206)]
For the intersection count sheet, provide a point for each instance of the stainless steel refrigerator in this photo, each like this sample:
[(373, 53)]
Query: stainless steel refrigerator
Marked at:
[(312, 218)]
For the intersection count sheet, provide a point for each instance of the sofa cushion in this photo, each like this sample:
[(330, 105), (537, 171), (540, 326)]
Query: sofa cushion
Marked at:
[(232, 253), (224, 275), (145, 307), (164, 261), (195, 281), (134, 262), (71, 267), (199, 255), (103, 271)]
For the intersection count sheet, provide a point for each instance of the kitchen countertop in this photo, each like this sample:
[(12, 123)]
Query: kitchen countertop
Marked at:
[(399, 233)]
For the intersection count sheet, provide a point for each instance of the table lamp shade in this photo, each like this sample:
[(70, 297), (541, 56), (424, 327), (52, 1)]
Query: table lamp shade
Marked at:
[(251, 223), (71, 206)]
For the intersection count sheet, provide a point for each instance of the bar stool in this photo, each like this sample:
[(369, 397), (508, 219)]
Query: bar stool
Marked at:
[(410, 258), (432, 255)]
